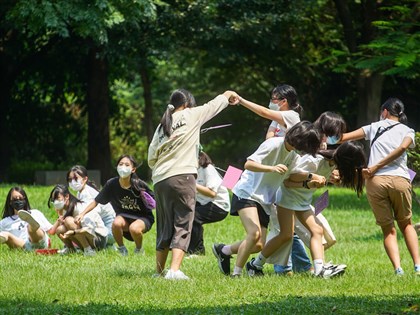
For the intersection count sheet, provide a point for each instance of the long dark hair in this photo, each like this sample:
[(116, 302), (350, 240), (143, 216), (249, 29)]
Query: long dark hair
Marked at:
[(204, 160), (350, 160), (178, 98), (395, 108), (64, 191), (82, 172), (288, 92), (138, 186), (8, 210), (304, 137), (331, 124)]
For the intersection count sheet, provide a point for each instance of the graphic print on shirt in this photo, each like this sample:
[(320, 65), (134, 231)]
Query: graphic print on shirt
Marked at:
[(128, 203)]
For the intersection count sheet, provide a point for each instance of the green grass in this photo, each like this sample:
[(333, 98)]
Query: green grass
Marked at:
[(110, 284)]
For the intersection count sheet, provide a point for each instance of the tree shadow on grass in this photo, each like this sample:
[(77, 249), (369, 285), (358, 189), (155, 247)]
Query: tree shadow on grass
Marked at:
[(407, 304)]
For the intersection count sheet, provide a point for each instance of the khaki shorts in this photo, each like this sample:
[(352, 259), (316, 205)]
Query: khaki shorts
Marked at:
[(390, 198)]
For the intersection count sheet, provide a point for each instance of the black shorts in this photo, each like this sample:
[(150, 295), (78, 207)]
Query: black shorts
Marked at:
[(127, 234), (238, 204)]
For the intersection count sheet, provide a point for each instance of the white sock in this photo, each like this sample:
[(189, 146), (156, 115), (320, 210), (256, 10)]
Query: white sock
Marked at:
[(318, 264), (87, 248), (227, 250), (237, 270), (259, 261)]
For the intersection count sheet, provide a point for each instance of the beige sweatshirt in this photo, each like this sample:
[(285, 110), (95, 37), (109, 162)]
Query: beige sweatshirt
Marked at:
[(179, 154)]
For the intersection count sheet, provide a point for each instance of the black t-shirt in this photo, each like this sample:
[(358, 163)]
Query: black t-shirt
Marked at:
[(126, 202)]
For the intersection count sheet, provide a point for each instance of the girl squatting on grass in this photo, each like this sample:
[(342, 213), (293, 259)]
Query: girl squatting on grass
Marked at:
[(388, 186), (254, 193), (78, 180), (173, 156), (132, 200), (88, 234), (22, 227), (294, 198)]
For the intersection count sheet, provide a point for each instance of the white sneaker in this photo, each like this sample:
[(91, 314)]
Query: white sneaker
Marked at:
[(399, 271), (139, 251), (66, 251), (329, 272), (176, 275), (89, 252), (3, 238), (26, 216), (331, 265)]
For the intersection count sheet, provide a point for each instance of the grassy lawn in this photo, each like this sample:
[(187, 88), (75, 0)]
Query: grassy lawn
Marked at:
[(111, 284)]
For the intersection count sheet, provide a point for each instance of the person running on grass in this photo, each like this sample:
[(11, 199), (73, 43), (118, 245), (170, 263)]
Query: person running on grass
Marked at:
[(255, 192), (388, 185), (22, 227), (173, 158), (295, 198)]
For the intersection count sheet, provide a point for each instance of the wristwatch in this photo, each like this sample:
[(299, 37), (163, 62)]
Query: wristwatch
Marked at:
[(310, 176)]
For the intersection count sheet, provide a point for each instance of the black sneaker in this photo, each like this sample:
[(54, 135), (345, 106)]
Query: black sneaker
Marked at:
[(252, 270), (222, 259), (330, 272)]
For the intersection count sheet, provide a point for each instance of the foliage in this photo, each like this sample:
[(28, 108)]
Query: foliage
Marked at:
[(110, 284), (414, 157)]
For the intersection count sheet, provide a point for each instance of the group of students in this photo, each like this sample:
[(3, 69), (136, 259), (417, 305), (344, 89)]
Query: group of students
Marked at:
[(275, 190)]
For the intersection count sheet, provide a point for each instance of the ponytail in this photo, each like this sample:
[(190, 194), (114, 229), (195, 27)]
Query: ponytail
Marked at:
[(395, 108), (180, 97)]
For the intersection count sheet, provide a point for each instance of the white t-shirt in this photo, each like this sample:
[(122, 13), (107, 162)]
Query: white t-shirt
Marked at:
[(300, 199), (386, 143), (290, 118), (262, 186), (210, 178), (19, 228), (88, 194)]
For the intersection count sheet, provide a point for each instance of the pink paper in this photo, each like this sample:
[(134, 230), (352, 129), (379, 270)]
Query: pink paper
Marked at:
[(231, 177), (412, 174), (321, 203)]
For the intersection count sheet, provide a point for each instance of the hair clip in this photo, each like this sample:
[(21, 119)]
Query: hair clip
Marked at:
[(171, 107)]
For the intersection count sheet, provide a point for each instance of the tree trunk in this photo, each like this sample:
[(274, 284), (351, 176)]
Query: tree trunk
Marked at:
[(99, 152), (7, 78), (148, 108), (369, 92)]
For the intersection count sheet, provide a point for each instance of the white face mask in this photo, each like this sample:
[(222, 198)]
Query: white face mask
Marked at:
[(59, 204), (273, 106), (76, 185), (124, 171)]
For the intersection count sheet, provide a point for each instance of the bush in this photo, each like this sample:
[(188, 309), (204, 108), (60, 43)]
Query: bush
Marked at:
[(414, 158)]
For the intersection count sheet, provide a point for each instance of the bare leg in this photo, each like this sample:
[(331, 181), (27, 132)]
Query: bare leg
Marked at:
[(177, 256), (411, 241), (161, 257), (307, 218), (136, 230), (118, 227), (253, 242), (286, 220), (13, 241), (391, 245)]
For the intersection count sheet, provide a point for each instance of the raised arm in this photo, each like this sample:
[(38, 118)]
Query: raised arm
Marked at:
[(354, 135), (262, 111)]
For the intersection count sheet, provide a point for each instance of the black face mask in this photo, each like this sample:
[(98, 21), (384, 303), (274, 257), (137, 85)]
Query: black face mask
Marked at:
[(18, 204)]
